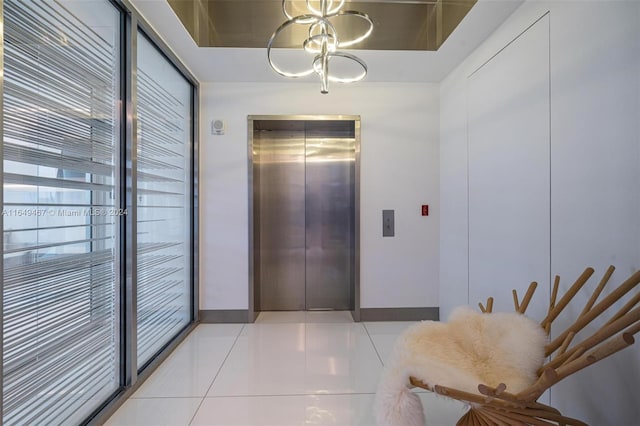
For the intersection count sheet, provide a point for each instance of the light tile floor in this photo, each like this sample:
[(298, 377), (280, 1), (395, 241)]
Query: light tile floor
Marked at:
[(289, 368)]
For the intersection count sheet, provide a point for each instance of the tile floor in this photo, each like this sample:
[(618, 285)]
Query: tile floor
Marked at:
[(289, 368)]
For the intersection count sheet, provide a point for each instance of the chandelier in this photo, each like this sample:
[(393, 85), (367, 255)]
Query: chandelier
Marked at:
[(323, 40)]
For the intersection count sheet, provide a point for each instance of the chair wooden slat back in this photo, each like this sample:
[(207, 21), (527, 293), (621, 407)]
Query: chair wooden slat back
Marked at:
[(496, 406)]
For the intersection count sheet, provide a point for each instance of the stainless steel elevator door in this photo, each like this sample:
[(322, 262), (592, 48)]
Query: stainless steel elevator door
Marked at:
[(280, 218), (304, 214), (330, 160)]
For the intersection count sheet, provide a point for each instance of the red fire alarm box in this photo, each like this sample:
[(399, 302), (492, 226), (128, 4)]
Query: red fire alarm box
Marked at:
[(425, 210)]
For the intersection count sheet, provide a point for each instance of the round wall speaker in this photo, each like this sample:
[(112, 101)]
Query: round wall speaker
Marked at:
[(217, 127)]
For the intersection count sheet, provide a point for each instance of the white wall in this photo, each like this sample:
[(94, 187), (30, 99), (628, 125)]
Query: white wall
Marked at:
[(508, 163), (594, 137), (399, 170)]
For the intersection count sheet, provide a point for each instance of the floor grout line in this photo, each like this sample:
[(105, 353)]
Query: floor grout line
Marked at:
[(217, 373), (164, 397), (375, 348), (287, 395)]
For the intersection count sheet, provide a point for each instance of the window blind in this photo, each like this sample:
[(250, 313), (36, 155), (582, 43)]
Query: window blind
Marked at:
[(163, 201), (61, 221)]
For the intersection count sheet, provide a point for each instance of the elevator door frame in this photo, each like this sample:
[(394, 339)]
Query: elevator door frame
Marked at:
[(253, 290)]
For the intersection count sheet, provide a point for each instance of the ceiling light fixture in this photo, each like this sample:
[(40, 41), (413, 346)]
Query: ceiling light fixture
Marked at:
[(323, 40)]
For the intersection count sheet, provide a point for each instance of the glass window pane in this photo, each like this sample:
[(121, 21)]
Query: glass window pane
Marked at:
[(163, 201), (60, 294)]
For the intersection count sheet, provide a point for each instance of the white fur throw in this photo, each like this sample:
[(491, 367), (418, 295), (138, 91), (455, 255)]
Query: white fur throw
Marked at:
[(470, 349)]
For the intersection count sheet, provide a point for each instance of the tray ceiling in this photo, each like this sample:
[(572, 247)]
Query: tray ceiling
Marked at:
[(398, 24)]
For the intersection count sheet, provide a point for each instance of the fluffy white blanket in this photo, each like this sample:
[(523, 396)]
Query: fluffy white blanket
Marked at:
[(468, 350)]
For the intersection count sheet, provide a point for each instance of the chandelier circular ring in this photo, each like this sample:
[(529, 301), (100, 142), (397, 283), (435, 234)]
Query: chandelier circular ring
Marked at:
[(358, 15), (314, 43), (302, 19), (317, 66)]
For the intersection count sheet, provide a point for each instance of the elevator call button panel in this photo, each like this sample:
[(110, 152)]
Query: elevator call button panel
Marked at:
[(388, 227)]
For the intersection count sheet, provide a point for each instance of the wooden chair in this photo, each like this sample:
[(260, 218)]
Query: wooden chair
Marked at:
[(496, 406)]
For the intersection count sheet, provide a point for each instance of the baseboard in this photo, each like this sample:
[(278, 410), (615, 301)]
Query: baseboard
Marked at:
[(221, 316), (399, 314), (217, 316)]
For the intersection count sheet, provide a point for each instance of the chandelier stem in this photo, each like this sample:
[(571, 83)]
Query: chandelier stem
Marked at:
[(324, 50), (325, 69)]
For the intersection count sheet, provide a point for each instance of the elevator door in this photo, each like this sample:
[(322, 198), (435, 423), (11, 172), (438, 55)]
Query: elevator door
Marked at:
[(304, 214)]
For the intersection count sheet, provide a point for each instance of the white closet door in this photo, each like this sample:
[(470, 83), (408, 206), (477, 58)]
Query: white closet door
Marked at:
[(509, 173)]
